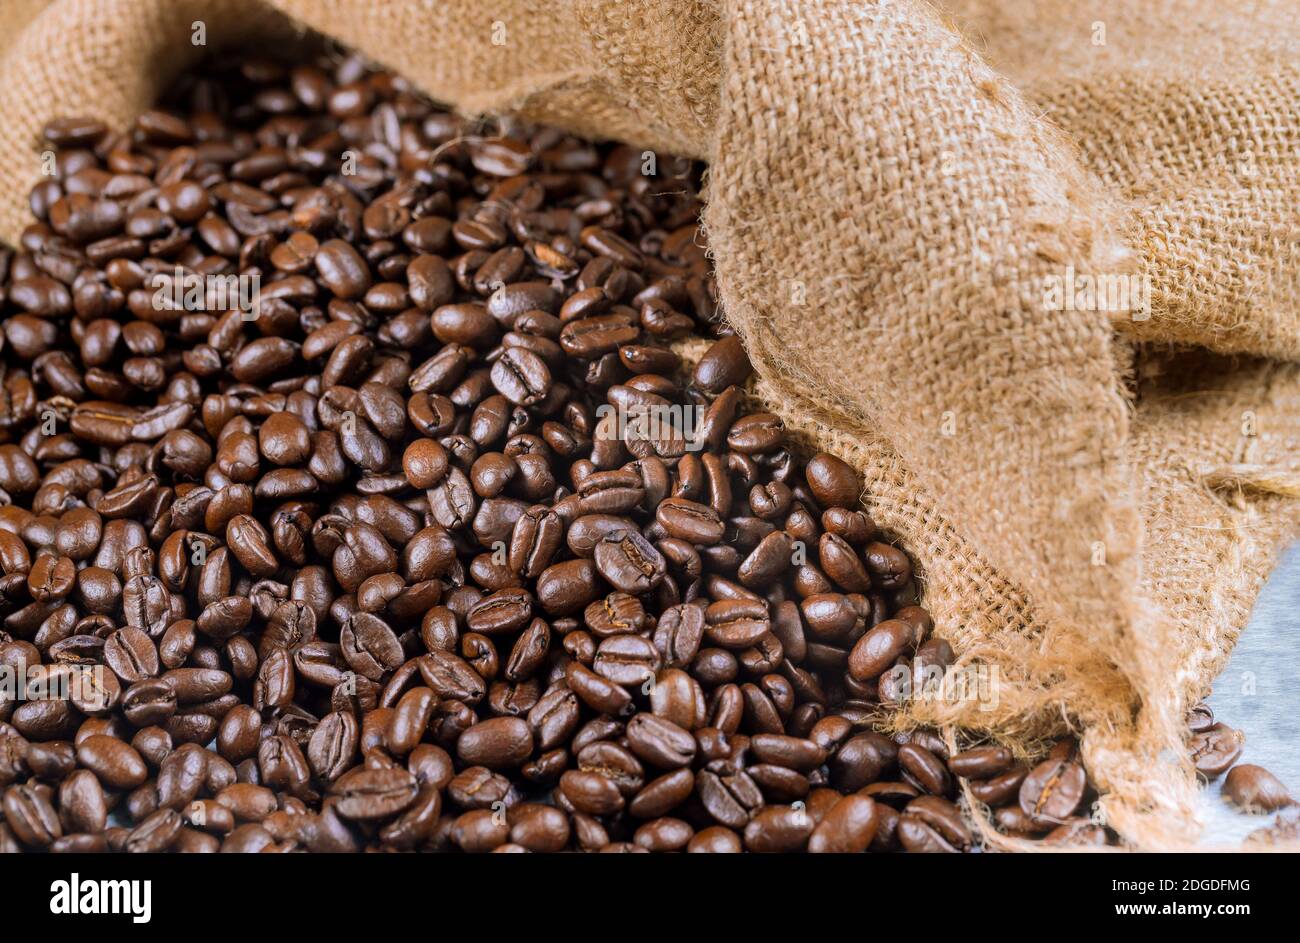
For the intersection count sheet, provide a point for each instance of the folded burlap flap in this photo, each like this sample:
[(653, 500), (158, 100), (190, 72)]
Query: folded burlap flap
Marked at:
[(899, 204)]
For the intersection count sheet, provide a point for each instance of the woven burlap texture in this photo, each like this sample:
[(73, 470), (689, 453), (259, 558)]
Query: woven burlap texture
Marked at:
[(891, 187)]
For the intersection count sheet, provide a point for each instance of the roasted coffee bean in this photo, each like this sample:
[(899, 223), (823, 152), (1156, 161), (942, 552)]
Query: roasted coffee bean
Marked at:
[(730, 796), (181, 775), (629, 660), (1254, 789), (31, 816), (724, 364), (785, 751), (539, 828), (598, 693), (925, 769), (370, 646), (506, 610), (131, 655), (629, 562), (616, 614), (568, 587), (497, 743), (847, 827), (689, 521), (333, 745), (664, 834), (1052, 791), (678, 697), (980, 762), (521, 376), (662, 795), (736, 623), (151, 701), (715, 840), (779, 828), (1001, 789), (890, 568), (876, 651), (529, 652), (342, 269), (373, 794), (659, 741), (591, 792), (197, 685), (833, 482), (1076, 832), (51, 578), (114, 761), (1200, 718), (1215, 750), (83, 804), (479, 788), (862, 760), (932, 825), (451, 677)]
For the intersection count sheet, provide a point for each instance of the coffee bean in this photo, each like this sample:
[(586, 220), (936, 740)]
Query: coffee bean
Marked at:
[(689, 521), (539, 828), (82, 802), (890, 568), (342, 270), (613, 761), (736, 623), (629, 660), (662, 794), (591, 792), (1215, 750), (498, 743), (156, 833), (506, 610), (833, 482), (31, 816), (1076, 832), (925, 769), (847, 828), (980, 762), (724, 364), (1001, 789), (371, 794), (568, 587), (660, 742), (521, 376), (779, 829), (114, 761), (451, 677), (629, 562), (862, 760), (248, 802), (1052, 791), (131, 655), (929, 830), (878, 649), (756, 434), (181, 775), (730, 796), (715, 840), (1254, 789)]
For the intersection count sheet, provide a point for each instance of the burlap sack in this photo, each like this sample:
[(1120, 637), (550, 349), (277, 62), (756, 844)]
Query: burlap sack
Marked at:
[(889, 204)]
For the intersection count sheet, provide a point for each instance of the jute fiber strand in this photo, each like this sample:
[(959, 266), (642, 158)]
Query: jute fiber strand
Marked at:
[(1092, 509)]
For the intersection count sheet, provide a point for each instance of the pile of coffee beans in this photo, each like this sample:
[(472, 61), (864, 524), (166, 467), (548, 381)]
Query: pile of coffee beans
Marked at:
[(355, 483)]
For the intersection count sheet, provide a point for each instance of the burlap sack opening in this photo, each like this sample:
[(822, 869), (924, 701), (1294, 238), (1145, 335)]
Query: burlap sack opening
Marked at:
[(890, 194)]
